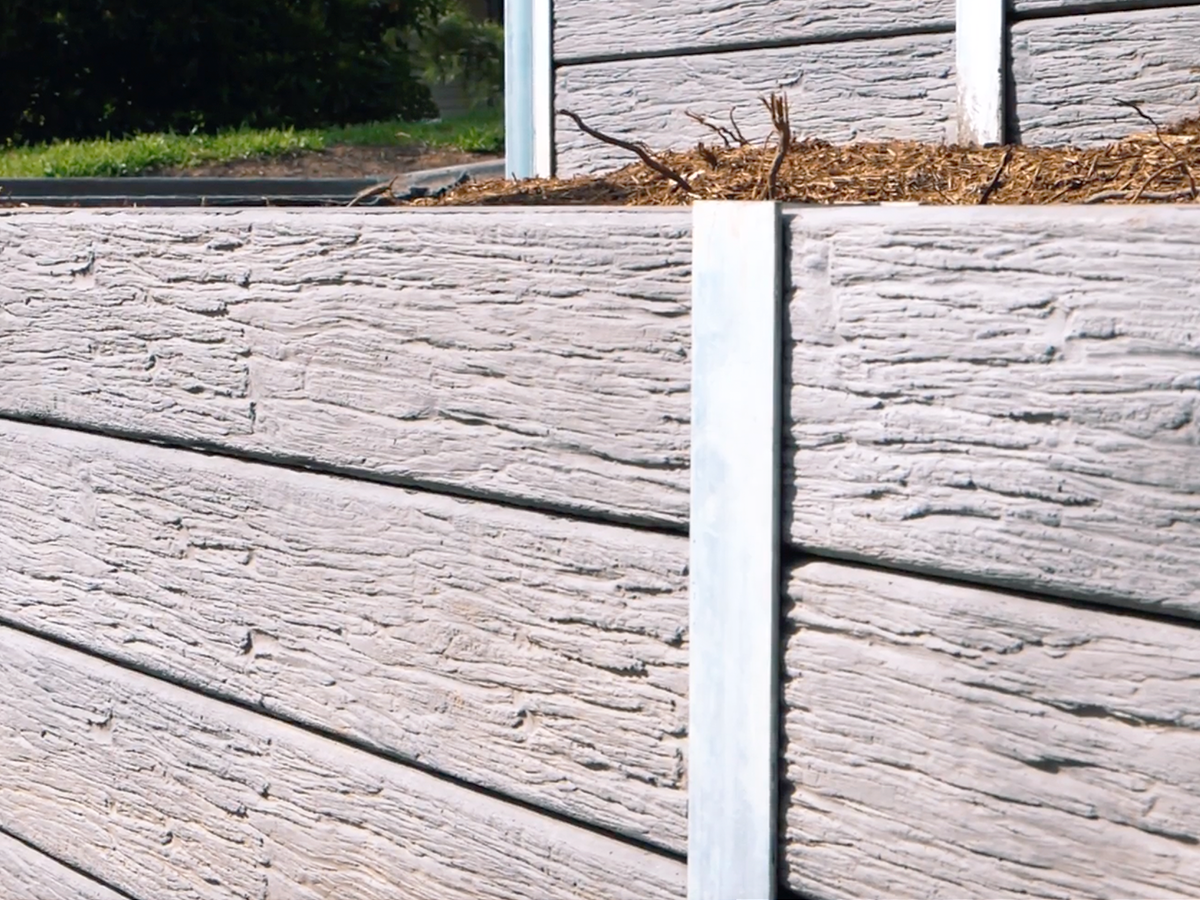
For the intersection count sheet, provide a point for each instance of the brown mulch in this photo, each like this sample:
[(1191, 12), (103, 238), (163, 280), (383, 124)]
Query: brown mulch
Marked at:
[(335, 162), (1159, 166)]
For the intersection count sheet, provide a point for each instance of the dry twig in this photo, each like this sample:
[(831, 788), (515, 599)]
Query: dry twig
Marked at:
[(1158, 196), (721, 131), (777, 106), (375, 190), (741, 138), (995, 182), (641, 150), (1136, 106)]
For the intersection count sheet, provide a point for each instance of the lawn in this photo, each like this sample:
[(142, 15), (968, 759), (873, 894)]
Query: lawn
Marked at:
[(481, 131)]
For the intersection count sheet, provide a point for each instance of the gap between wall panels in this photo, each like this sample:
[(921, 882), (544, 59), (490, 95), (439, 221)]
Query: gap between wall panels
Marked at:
[(793, 556), (1020, 13), (317, 467), (747, 46), (329, 735), (1024, 10)]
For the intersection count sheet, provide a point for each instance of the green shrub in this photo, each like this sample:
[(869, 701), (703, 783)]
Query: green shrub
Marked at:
[(89, 68), (450, 45)]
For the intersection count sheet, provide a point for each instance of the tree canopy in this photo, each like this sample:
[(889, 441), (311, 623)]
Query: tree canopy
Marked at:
[(87, 68)]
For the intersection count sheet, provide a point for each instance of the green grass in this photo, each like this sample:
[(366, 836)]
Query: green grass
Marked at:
[(481, 131)]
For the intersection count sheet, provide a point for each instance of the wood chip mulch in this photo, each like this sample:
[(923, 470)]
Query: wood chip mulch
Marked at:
[(1160, 166)]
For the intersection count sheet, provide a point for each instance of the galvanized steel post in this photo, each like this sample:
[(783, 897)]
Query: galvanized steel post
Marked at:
[(737, 315), (528, 88), (979, 40)]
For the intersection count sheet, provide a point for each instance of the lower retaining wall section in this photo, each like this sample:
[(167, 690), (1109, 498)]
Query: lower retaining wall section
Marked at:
[(161, 792), (998, 396), (949, 741), (535, 656), (375, 656), (31, 875)]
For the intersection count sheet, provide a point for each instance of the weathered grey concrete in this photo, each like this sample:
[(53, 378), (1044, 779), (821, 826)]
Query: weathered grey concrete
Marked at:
[(1009, 395), (943, 741), (164, 793), (539, 357), (584, 28), (536, 656), (27, 874), (896, 87), (1070, 73)]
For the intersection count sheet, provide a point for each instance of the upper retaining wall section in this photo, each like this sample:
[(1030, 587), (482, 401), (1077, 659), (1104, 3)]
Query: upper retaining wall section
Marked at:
[(865, 70), (542, 359), (859, 70), (539, 358), (532, 363), (1004, 394)]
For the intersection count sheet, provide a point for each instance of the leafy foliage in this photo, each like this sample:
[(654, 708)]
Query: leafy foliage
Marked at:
[(87, 68), (450, 45)]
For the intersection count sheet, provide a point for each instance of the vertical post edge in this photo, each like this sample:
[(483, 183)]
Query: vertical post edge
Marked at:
[(735, 548), (980, 34), (542, 93), (518, 89)]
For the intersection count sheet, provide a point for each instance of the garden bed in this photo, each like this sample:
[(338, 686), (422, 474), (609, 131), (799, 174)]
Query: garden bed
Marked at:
[(1159, 166)]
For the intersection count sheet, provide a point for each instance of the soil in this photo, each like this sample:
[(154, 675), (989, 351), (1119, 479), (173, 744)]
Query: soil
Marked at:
[(1160, 166), (334, 162)]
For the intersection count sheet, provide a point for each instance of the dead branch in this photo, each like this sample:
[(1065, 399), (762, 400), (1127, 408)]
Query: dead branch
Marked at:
[(375, 190), (1059, 194), (995, 182), (777, 106), (741, 138), (640, 149), (1136, 106), (720, 130), (1153, 176), (1160, 196)]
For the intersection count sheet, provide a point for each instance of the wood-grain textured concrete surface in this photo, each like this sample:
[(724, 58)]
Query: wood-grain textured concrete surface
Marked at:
[(533, 655), (947, 741), (162, 792)]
